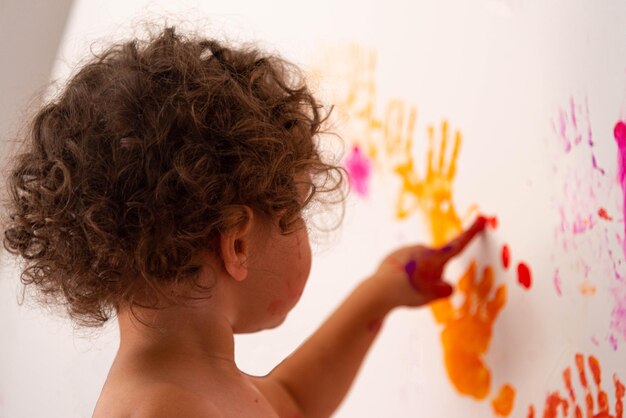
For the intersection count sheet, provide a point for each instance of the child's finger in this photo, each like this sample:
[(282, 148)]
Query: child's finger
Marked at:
[(457, 245), (442, 290)]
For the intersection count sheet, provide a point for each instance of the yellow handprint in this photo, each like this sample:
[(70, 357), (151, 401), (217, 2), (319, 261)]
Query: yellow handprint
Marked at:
[(431, 194), (355, 97)]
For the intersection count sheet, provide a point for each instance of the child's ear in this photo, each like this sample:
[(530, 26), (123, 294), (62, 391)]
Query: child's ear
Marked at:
[(235, 244)]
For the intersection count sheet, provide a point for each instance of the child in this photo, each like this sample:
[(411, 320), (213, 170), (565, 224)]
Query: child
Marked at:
[(165, 185)]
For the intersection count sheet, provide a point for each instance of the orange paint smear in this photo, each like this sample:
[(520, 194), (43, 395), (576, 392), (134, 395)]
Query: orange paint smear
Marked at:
[(468, 330), (587, 289), (502, 404), (619, 397)]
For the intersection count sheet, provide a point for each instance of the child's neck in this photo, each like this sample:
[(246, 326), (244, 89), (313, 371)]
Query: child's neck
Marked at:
[(190, 335)]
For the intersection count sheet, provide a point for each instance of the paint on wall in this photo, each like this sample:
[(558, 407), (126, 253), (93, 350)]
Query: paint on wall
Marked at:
[(589, 246), (426, 189), (467, 330), (580, 397), (359, 169)]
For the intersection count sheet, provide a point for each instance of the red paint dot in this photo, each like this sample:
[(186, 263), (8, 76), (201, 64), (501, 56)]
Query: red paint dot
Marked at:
[(523, 275), (506, 256), (604, 215)]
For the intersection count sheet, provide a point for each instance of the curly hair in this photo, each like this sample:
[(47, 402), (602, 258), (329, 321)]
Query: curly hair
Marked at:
[(144, 158)]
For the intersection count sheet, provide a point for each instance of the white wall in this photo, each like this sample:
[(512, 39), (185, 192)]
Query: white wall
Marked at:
[(498, 70)]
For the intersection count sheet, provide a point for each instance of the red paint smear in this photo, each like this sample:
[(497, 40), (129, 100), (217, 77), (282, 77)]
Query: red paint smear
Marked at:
[(582, 376), (554, 402), (506, 256), (604, 215), (523, 275), (620, 391), (492, 222), (567, 378), (603, 399)]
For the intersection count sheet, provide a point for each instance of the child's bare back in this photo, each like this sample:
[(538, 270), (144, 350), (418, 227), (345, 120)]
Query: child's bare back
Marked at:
[(165, 186)]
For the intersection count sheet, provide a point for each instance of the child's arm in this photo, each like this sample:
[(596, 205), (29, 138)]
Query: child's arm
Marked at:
[(316, 377)]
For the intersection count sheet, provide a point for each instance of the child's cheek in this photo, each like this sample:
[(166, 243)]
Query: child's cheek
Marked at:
[(277, 308)]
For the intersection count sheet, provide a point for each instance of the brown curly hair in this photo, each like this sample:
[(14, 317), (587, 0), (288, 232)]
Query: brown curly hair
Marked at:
[(143, 159)]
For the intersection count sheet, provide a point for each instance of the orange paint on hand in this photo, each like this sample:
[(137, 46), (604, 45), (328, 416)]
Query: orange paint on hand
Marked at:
[(502, 404)]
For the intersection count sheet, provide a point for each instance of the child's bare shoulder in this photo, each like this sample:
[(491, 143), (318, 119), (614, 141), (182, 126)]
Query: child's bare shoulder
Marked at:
[(160, 400)]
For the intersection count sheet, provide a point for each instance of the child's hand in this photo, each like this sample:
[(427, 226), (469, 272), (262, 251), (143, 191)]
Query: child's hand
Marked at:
[(411, 276)]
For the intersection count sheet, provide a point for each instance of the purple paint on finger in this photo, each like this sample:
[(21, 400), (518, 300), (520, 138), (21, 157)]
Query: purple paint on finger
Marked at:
[(410, 268)]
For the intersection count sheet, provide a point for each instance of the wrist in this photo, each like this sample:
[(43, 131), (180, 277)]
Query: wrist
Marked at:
[(381, 302)]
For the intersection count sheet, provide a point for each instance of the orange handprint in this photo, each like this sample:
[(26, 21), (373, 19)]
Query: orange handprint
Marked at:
[(467, 331), (598, 408), (432, 194)]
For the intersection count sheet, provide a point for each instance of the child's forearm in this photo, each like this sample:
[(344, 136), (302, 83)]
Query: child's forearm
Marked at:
[(320, 372)]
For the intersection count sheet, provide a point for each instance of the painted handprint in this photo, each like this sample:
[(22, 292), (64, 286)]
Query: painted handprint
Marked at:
[(398, 133), (589, 229), (432, 192), (466, 335), (354, 94), (595, 401)]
